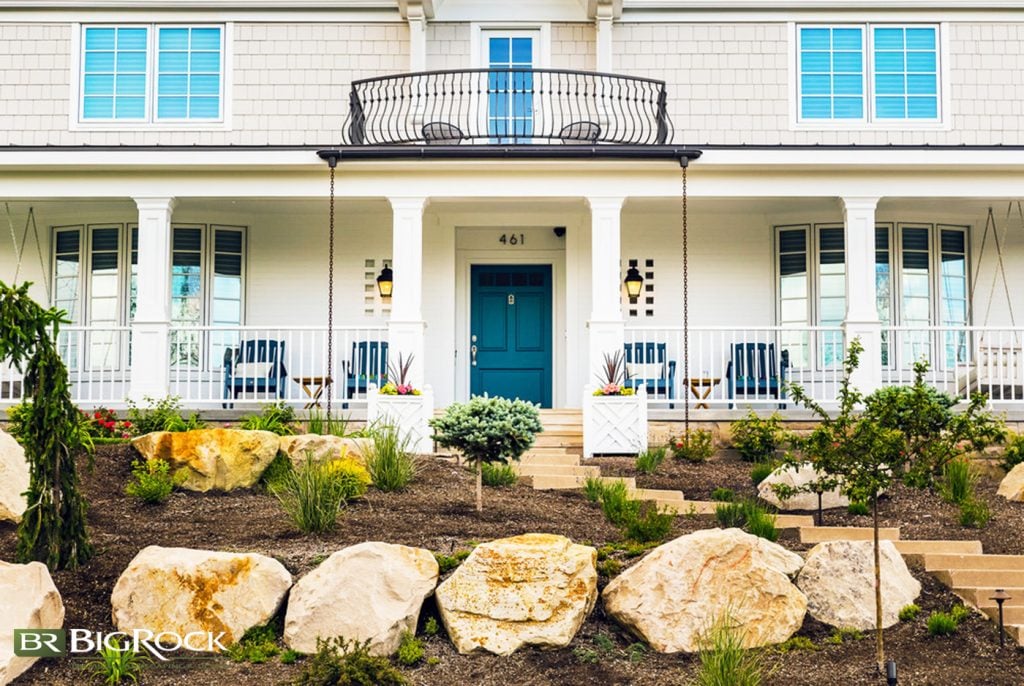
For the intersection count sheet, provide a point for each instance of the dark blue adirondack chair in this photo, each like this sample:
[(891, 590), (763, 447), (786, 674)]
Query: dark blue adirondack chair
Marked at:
[(258, 351), (369, 365), (662, 386), (754, 370)]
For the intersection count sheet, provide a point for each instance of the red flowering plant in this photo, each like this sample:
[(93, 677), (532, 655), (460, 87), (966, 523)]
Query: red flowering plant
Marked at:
[(103, 423), (399, 383)]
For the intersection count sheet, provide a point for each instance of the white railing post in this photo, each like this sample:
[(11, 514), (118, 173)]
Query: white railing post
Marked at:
[(607, 328), (861, 319), (150, 367), (406, 327)]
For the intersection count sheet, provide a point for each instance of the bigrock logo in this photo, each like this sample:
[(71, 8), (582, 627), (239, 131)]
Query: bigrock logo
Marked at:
[(82, 642)]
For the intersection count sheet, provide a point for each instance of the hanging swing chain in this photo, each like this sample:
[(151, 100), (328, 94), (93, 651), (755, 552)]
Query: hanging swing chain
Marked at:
[(686, 308), (330, 297)]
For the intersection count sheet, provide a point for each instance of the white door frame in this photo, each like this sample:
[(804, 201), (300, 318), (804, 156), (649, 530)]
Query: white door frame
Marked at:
[(464, 261)]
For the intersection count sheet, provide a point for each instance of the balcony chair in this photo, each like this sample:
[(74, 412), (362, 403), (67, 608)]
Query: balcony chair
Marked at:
[(754, 370), (369, 365), (255, 366), (580, 132), (442, 133), (646, 365)]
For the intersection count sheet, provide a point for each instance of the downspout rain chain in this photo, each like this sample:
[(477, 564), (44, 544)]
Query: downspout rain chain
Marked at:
[(332, 163), (684, 162)]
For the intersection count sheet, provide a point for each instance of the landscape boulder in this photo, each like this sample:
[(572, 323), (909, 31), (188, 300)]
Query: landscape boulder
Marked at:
[(323, 448), (30, 601), (371, 591), (796, 478), (183, 590), (534, 589), (1012, 485), (213, 459), (838, 579), (671, 598), (13, 479)]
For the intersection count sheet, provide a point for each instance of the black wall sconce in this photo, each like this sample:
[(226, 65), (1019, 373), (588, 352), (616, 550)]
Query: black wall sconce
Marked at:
[(385, 282), (634, 283)]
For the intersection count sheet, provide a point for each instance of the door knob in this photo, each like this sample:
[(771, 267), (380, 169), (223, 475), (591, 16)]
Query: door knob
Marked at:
[(472, 355)]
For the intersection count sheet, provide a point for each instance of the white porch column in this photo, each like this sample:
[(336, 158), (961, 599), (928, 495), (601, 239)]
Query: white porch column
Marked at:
[(417, 19), (604, 13), (861, 307), (607, 328), (151, 327), (406, 326)]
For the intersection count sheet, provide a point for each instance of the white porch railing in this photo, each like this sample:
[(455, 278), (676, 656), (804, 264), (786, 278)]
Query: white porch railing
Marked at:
[(199, 378), (962, 359), (810, 356), (98, 361)]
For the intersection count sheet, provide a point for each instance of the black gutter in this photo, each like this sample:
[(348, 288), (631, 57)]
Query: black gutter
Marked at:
[(509, 152), (641, 151)]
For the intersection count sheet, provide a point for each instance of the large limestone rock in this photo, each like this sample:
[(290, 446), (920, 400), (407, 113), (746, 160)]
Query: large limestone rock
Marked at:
[(323, 448), (183, 590), (806, 474), (535, 589), (214, 459), (371, 591), (13, 479), (839, 581), (1012, 485), (30, 601), (673, 596)]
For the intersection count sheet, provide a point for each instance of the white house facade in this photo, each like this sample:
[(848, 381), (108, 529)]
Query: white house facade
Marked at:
[(502, 169)]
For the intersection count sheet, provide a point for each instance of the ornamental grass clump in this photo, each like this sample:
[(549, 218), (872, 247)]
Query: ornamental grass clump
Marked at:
[(313, 494), (117, 664), (616, 504), (152, 481), (648, 461), (391, 464), (488, 429), (498, 475), (724, 661), (650, 524), (277, 418)]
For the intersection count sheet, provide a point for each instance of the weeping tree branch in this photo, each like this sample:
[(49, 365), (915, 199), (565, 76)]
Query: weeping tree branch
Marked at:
[(53, 528)]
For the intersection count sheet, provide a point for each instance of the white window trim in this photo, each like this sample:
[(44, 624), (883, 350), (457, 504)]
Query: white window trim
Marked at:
[(540, 30), (870, 122), (77, 123)]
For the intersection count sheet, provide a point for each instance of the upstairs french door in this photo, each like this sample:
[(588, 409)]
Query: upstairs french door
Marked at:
[(510, 91)]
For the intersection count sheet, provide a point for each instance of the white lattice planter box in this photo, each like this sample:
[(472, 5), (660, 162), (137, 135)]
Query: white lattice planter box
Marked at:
[(407, 413), (614, 424)]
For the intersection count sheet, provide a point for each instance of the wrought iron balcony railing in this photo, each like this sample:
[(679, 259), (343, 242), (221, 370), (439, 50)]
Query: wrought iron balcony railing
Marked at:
[(507, 106)]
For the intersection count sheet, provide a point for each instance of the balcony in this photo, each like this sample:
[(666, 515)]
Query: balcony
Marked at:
[(507, 107)]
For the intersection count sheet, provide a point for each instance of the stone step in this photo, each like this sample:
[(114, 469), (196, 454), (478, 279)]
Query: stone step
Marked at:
[(914, 551), (820, 534), (980, 596), (556, 470), (1016, 633), (657, 494), (564, 442), (563, 482), (980, 578), (946, 562), (566, 459), (1012, 614), (789, 521), (556, 450)]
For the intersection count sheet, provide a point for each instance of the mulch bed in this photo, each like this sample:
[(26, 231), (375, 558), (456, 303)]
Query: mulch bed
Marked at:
[(437, 513)]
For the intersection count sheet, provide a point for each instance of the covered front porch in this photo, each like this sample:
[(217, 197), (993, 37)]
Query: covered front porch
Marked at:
[(164, 290)]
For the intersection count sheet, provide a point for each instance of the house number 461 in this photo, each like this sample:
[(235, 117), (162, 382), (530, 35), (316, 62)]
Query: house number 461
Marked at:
[(512, 239)]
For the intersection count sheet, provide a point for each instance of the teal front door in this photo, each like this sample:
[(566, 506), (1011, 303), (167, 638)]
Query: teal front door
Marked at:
[(510, 332)]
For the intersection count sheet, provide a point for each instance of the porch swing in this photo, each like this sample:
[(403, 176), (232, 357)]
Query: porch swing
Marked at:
[(994, 366), (10, 379)]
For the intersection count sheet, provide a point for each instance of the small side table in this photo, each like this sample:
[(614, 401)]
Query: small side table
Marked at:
[(701, 387), (314, 387)]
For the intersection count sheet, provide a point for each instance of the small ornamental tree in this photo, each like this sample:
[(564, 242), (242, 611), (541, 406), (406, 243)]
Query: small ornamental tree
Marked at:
[(53, 528), (488, 430), (904, 434)]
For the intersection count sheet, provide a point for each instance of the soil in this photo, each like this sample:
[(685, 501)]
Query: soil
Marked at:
[(437, 513)]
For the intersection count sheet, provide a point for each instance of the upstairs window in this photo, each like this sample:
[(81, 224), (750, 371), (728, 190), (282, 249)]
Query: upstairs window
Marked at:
[(868, 74), (152, 74)]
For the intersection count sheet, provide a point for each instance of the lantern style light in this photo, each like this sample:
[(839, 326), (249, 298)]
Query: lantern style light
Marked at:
[(385, 282), (634, 283)]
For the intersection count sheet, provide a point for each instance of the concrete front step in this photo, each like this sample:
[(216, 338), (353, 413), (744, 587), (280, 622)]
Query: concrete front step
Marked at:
[(556, 470), (914, 551), (821, 534), (946, 562), (1011, 614), (980, 596), (560, 442), (563, 482), (566, 459), (980, 578)]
